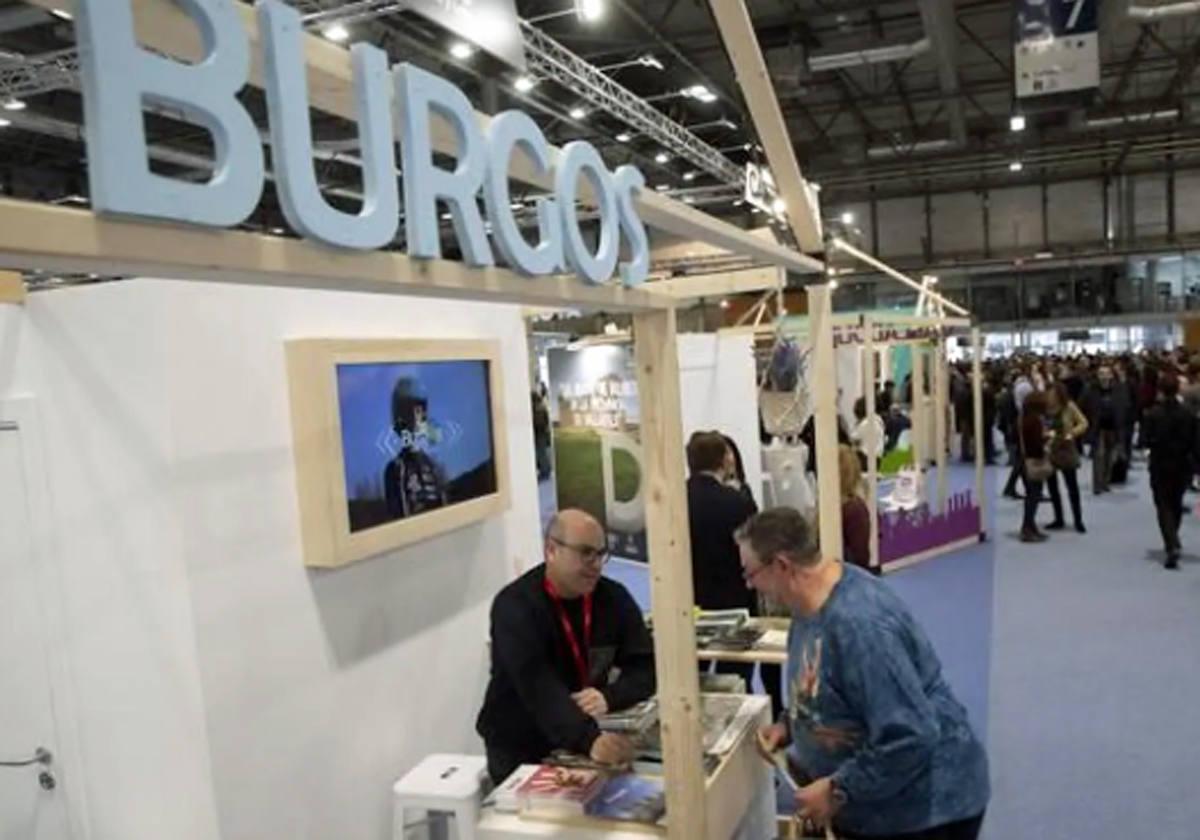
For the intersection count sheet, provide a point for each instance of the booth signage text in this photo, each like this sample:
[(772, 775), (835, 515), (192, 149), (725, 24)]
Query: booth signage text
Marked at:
[(119, 76)]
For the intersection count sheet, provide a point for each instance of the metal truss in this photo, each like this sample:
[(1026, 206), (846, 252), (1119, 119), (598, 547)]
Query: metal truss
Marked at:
[(39, 74), (550, 60)]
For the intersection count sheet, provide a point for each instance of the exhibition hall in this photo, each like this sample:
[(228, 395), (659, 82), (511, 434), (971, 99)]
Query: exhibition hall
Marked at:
[(599, 420)]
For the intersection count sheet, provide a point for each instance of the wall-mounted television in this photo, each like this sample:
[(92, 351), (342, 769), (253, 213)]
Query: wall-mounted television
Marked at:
[(395, 441)]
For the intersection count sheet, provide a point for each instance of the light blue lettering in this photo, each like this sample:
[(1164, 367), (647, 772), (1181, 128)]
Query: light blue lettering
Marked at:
[(375, 225), (630, 182), (581, 158), (118, 76), (419, 93)]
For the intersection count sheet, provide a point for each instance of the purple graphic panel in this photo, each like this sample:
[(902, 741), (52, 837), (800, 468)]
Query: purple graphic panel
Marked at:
[(905, 533)]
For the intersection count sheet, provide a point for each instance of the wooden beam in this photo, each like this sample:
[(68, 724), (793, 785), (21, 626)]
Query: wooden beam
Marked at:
[(803, 209), (12, 287), (165, 27), (671, 594), (823, 385), (917, 410), (872, 462), (40, 236), (719, 285), (940, 431), (980, 431), (845, 246)]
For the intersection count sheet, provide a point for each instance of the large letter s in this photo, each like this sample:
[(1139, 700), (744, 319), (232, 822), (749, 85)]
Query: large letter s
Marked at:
[(630, 182)]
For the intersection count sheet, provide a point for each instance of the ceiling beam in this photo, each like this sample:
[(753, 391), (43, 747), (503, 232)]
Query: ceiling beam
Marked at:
[(737, 31), (1129, 65), (1187, 66), (938, 18)]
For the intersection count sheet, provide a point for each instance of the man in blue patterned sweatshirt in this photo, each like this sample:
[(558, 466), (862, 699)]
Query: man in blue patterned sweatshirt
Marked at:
[(873, 732)]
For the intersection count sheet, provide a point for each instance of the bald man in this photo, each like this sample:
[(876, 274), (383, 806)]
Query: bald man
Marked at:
[(568, 645)]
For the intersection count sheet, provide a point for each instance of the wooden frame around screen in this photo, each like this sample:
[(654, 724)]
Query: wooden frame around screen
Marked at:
[(317, 438)]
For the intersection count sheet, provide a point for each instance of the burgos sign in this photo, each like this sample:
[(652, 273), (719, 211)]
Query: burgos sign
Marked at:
[(118, 76)]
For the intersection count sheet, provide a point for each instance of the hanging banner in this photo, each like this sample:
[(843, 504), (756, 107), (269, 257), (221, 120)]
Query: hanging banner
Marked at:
[(597, 442), (1056, 47)]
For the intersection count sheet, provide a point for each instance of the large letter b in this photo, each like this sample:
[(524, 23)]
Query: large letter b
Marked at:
[(118, 76)]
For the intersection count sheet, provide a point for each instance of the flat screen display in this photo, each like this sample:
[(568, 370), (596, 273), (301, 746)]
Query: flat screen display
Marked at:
[(416, 437)]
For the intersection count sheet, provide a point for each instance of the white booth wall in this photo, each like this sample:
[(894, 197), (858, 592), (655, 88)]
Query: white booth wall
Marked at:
[(719, 391), (217, 688)]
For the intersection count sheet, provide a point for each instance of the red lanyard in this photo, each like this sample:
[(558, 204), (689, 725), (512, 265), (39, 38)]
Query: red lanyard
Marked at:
[(581, 655)]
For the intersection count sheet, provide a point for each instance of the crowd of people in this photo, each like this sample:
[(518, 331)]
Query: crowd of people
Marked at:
[(1052, 412)]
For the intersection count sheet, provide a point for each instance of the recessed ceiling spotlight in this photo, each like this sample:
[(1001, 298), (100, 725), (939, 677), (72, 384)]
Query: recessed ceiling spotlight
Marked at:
[(1016, 166), (461, 50), (624, 137), (1017, 122), (589, 11), (578, 113), (847, 218), (5, 123), (689, 176), (662, 157), (14, 104), (524, 84), (336, 33), (662, 187)]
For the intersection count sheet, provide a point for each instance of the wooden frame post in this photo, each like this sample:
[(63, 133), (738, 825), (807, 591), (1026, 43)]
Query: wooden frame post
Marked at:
[(825, 412), (12, 287), (869, 376), (940, 435), (917, 409), (671, 593), (977, 402)]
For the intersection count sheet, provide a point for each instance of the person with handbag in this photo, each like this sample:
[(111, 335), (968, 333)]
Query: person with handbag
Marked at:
[(1067, 425), (1036, 463)]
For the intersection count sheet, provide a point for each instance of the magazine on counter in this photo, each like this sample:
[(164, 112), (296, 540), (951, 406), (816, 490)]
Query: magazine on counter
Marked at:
[(559, 791), (630, 798)]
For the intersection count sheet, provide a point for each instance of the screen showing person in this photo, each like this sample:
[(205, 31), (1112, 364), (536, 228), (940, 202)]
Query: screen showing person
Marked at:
[(416, 436)]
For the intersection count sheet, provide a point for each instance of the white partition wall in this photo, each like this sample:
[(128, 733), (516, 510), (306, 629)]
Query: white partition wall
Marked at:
[(719, 390), (223, 690)]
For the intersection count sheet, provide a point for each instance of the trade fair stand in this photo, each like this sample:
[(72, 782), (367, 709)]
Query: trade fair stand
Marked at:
[(187, 237)]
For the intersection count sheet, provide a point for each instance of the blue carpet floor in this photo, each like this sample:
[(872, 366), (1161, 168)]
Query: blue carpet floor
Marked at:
[(1095, 678)]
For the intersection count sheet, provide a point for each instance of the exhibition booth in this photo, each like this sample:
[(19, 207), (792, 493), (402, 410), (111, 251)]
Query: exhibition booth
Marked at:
[(262, 489)]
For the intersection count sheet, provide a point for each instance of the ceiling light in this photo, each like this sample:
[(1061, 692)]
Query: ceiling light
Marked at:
[(662, 187), (687, 199), (662, 157), (62, 14), (833, 284), (578, 113), (689, 176), (650, 61), (461, 50), (277, 231), (624, 137), (725, 122), (337, 33), (1017, 122), (847, 218), (724, 304), (589, 11), (5, 123), (1016, 166), (779, 206), (700, 93), (14, 104), (524, 84)]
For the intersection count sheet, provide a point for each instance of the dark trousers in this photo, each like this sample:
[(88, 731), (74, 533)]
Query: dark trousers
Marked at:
[(1017, 472), (1071, 479), (1033, 497), (1104, 452), (772, 678), (961, 830), (1168, 502)]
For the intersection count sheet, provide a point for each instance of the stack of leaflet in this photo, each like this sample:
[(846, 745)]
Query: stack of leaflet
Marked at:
[(630, 798), (725, 630), (558, 791), (634, 721)]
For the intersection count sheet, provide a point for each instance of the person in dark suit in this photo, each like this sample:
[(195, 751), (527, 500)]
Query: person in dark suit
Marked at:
[(717, 507), (1170, 434)]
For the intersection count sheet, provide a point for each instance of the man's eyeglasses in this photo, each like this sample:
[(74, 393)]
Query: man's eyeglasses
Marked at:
[(749, 576), (590, 554)]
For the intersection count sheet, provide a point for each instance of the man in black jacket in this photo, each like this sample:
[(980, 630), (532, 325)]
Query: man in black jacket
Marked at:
[(568, 645), (1170, 434)]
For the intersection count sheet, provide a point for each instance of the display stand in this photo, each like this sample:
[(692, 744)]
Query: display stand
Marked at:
[(41, 237)]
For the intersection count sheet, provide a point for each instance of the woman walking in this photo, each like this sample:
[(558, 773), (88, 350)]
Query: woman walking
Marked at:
[(1036, 466), (1067, 426)]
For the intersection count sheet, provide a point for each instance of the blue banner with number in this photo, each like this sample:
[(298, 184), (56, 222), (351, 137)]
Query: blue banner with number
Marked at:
[(1056, 47)]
